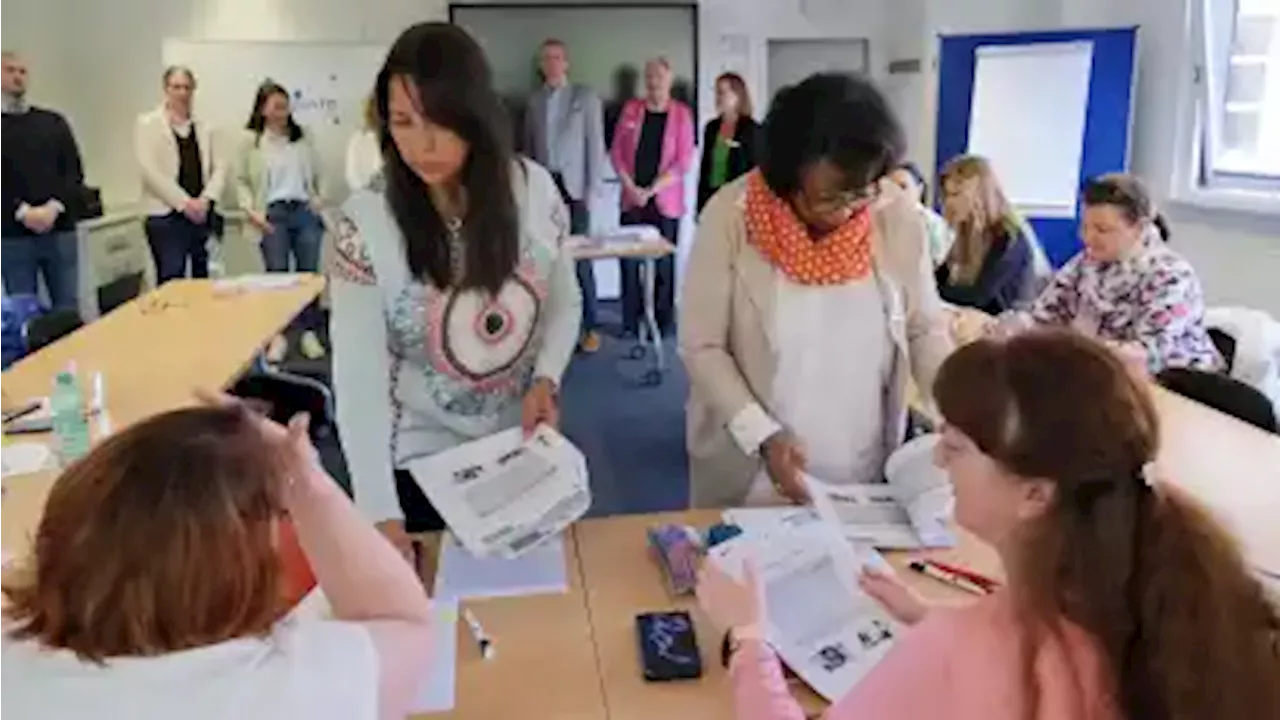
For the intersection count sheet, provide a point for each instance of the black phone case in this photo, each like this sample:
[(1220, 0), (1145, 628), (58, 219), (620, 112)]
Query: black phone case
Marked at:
[(668, 646)]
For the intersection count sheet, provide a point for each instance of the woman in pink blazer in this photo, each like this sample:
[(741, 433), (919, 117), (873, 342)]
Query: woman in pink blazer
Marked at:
[(652, 152)]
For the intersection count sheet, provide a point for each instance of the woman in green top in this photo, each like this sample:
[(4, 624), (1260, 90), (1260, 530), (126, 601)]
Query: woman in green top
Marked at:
[(729, 141)]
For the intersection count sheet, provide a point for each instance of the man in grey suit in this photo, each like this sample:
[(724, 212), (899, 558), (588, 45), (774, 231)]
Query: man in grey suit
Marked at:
[(564, 132)]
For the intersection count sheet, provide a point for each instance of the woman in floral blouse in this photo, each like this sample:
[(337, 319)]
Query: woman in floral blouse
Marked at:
[(1127, 287)]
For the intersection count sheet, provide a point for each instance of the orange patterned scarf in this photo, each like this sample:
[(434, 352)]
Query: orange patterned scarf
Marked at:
[(841, 256)]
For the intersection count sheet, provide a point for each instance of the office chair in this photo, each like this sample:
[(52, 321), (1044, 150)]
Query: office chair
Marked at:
[(49, 328), (1224, 394), (1225, 344)]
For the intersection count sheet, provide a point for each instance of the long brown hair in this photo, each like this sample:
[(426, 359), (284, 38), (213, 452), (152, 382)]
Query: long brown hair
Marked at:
[(991, 219), (739, 88), (161, 539), (1186, 632)]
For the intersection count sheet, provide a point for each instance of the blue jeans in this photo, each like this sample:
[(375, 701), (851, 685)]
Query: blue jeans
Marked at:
[(174, 239), (53, 256), (298, 232)]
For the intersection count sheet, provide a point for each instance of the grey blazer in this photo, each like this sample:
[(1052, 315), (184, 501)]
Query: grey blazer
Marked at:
[(579, 139), (727, 337)]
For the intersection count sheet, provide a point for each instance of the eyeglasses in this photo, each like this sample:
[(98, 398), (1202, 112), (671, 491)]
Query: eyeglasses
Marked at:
[(838, 201)]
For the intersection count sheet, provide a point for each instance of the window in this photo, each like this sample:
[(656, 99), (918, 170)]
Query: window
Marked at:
[(1241, 145)]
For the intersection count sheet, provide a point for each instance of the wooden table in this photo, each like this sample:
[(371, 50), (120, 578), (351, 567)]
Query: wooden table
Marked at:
[(646, 248), (622, 582), (544, 664), (153, 352)]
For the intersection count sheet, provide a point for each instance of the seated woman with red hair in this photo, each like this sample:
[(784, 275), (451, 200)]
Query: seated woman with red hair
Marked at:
[(157, 586)]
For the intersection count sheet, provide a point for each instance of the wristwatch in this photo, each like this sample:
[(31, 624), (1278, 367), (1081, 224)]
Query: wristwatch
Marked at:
[(734, 638)]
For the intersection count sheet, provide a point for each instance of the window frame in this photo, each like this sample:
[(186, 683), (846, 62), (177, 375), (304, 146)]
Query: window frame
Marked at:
[(1197, 181)]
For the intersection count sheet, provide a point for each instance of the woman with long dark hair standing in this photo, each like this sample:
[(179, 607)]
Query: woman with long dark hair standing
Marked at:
[(729, 141), (455, 308), (1125, 599), (278, 185)]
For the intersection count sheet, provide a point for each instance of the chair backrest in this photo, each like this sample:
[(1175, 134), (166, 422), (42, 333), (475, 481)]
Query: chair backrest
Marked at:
[(119, 291), (51, 327), (1224, 394)]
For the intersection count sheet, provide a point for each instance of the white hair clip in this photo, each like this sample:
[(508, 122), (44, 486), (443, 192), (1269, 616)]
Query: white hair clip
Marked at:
[(1149, 474)]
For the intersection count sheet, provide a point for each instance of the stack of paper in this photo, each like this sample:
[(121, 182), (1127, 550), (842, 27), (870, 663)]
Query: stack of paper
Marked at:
[(506, 494), (461, 575), (820, 623), (912, 510)]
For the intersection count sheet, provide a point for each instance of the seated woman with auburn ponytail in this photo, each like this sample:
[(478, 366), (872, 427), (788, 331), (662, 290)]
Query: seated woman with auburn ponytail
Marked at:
[(1124, 599), (159, 584)]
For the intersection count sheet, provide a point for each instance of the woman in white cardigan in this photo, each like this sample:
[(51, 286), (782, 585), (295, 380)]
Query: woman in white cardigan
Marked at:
[(454, 304), (182, 179)]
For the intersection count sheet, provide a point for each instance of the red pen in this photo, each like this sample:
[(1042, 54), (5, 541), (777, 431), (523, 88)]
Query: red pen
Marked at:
[(956, 581), (982, 580)]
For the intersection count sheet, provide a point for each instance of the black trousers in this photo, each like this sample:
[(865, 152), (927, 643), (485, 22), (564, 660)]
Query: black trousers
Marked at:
[(664, 282), (419, 514)]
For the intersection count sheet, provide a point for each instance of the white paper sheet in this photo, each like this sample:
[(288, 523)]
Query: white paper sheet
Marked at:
[(259, 281), (912, 510), (763, 521), (24, 458), (821, 624), (461, 575), (438, 693), (505, 495)]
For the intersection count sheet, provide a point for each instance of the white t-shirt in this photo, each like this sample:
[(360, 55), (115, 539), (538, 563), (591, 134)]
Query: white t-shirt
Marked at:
[(304, 669)]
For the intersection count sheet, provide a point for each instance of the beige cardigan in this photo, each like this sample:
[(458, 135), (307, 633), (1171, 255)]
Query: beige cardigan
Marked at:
[(251, 176), (727, 327), (157, 154)]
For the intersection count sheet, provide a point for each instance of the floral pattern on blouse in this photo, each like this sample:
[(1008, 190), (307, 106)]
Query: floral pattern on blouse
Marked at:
[(1153, 299)]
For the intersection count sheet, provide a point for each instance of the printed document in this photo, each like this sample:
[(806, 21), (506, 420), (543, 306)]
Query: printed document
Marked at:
[(820, 623), (504, 494), (911, 510)]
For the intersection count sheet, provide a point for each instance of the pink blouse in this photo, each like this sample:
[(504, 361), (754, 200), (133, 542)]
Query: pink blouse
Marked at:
[(957, 663)]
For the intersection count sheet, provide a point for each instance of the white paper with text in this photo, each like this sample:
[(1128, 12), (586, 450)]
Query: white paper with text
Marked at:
[(913, 509), (506, 494), (820, 623)]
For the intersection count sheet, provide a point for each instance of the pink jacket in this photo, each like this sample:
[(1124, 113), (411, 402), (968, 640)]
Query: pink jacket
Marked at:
[(962, 664), (677, 152)]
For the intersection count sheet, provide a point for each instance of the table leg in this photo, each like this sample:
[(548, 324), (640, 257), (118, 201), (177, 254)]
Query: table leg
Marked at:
[(651, 318)]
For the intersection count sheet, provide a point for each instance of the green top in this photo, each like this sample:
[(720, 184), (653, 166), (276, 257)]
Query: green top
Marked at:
[(719, 162)]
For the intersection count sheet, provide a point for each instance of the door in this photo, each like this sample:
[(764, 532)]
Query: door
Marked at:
[(791, 61)]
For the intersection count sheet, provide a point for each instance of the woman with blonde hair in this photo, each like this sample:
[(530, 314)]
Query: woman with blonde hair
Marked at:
[(992, 262), (159, 584)]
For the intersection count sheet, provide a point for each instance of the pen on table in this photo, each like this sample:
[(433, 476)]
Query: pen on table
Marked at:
[(477, 632), (981, 581), (956, 581)]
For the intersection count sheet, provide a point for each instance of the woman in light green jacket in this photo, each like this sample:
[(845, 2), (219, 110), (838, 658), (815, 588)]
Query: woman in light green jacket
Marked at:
[(278, 187)]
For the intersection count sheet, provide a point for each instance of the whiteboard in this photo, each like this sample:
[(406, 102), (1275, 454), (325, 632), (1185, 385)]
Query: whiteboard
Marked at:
[(1028, 117), (328, 81)]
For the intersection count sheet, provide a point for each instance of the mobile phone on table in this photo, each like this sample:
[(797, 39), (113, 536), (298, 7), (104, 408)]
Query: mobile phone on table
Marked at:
[(668, 646)]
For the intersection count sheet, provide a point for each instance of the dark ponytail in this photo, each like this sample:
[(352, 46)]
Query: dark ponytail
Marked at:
[(1162, 227)]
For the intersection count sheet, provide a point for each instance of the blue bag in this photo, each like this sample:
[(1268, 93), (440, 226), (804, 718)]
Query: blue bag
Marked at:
[(16, 312)]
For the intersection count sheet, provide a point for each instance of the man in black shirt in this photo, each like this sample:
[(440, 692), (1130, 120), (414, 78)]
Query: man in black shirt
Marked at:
[(41, 186)]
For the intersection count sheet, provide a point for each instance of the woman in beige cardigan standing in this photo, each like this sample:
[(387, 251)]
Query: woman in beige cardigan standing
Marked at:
[(182, 179), (809, 298)]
